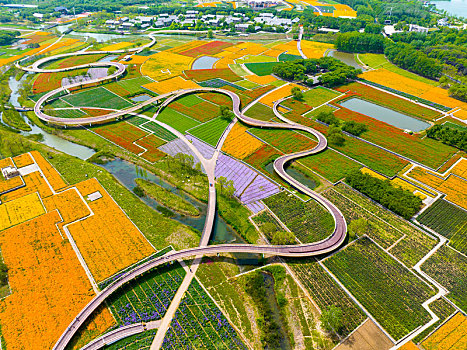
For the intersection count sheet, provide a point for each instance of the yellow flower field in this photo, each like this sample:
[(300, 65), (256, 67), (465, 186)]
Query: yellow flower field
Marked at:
[(290, 47), (450, 336), (265, 79), (164, 65), (7, 185), (417, 88), (272, 53), (279, 93), (460, 168), (314, 49), (454, 187), (250, 48), (20, 210), (107, 240), (187, 46), (239, 143), (117, 46), (69, 204), (23, 160), (49, 286), (171, 84), (34, 183), (373, 173)]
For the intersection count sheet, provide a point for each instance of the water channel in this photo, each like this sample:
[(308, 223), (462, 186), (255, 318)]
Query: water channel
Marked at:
[(453, 7), (384, 114)]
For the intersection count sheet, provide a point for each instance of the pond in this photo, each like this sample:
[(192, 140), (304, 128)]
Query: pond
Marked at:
[(384, 114), (453, 7), (296, 174), (204, 62), (140, 98), (50, 140), (347, 58)]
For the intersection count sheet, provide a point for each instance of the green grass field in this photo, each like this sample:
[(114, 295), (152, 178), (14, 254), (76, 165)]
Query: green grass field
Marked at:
[(284, 57), (247, 84), (176, 120), (261, 69), (189, 100), (260, 111), (159, 131), (67, 113), (211, 131), (237, 69), (98, 97), (317, 96), (134, 85), (455, 126), (369, 273)]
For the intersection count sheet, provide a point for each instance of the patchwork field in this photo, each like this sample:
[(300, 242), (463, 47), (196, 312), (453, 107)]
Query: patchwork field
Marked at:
[(98, 97), (176, 120), (211, 131), (123, 134), (368, 273)]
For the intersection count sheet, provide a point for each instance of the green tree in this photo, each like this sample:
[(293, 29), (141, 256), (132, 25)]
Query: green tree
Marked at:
[(297, 93), (226, 113), (335, 136), (358, 227), (210, 35), (331, 318), (283, 238)]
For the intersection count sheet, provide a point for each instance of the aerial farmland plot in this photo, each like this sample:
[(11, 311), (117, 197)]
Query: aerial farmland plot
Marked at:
[(336, 219)]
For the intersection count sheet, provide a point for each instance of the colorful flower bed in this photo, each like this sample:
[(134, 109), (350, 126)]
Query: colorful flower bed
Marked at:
[(314, 49), (277, 94), (208, 74), (107, 240), (50, 81), (23, 160), (69, 204), (159, 131), (46, 296), (164, 65), (170, 85), (239, 143), (220, 83), (256, 93), (264, 155), (34, 183), (20, 210), (210, 48), (151, 144), (117, 46), (123, 134), (286, 141), (189, 45), (388, 100), (203, 111), (368, 273)]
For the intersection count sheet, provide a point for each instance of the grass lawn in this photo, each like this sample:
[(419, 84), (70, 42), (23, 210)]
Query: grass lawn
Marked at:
[(177, 120), (261, 69), (67, 113), (260, 111), (387, 289), (455, 126), (98, 97), (237, 69), (211, 131), (255, 59), (134, 85), (247, 84), (284, 57), (317, 96), (189, 100)]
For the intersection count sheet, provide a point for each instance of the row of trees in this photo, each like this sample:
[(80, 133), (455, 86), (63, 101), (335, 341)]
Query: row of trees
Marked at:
[(400, 201), (332, 71), (360, 42), (349, 126), (449, 136), (8, 37)]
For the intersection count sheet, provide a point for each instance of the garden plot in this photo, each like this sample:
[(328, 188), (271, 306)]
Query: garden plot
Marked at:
[(211, 131), (176, 120), (98, 97), (220, 83), (199, 324), (391, 293)]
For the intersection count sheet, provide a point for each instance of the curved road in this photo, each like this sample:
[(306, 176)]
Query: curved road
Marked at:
[(316, 248)]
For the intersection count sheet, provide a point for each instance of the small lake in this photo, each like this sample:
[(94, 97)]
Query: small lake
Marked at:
[(296, 174), (204, 62), (347, 58), (399, 120), (140, 98), (454, 7)]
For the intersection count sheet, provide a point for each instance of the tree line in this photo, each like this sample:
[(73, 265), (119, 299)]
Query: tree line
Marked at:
[(398, 200), (8, 37), (449, 136)]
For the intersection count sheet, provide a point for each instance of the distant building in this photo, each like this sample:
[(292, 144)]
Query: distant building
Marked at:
[(262, 4), (417, 28), (61, 9)]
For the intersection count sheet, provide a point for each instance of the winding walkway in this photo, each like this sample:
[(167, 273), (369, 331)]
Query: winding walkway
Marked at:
[(312, 249)]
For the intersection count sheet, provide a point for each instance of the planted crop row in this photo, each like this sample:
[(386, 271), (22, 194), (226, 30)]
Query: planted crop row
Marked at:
[(199, 324), (147, 297), (308, 221), (176, 120), (326, 292), (449, 268), (211, 131), (387, 289), (449, 221), (98, 97), (416, 243), (265, 217), (285, 140)]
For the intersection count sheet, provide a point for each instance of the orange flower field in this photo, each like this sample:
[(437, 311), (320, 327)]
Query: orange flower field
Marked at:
[(52, 175), (6, 185), (283, 91), (49, 286), (454, 187), (107, 240), (69, 204), (34, 183), (266, 79), (239, 143), (171, 84), (20, 210), (460, 169), (451, 336), (23, 160)]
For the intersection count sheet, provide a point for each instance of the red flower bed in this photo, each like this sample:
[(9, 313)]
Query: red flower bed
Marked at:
[(95, 112), (200, 75), (262, 156), (151, 143), (255, 93), (203, 111), (122, 134), (218, 99), (36, 39), (207, 49)]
